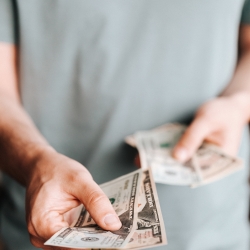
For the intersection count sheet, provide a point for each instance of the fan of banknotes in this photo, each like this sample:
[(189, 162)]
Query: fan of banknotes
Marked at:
[(208, 164), (135, 200)]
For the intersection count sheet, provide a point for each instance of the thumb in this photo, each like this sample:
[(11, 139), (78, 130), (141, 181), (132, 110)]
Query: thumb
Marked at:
[(97, 204), (191, 139)]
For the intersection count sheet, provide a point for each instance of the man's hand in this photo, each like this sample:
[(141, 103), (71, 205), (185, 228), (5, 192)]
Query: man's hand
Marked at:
[(55, 184), (59, 184), (219, 121)]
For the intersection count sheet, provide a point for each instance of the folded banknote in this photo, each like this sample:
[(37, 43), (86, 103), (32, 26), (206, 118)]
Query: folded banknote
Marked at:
[(135, 201), (208, 164)]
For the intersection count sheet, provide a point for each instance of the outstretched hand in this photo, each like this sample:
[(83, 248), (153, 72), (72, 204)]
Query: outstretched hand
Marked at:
[(58, 185), (220, 122)]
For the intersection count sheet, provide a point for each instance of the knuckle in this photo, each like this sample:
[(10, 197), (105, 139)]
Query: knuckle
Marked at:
[(34, 222), (95, 197), (77, 178), (186, 145), (31, 229), (187, 137)]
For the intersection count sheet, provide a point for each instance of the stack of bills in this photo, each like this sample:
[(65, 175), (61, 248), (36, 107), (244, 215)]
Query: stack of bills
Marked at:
[(155, 146), (135, 200)]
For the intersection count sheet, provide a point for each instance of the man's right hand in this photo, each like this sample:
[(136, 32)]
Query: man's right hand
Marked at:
[(56, 186)]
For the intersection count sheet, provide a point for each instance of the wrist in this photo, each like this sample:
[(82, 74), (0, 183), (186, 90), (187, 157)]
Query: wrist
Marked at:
[(38, 163), (241, 101)]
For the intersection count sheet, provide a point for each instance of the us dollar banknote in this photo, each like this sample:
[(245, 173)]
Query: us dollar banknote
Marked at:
[(135, 200), (150, 230), (208, 164)]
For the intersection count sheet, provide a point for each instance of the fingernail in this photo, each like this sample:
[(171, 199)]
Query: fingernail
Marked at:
[(111, 219), (181, 154)]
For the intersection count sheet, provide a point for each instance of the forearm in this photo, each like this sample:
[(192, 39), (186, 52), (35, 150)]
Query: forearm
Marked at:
[(241, 79), (21, 144), (239, 87), (220, 121)]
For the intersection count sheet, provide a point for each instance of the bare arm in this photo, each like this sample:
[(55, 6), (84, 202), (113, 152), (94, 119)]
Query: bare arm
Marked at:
[(241, 80), (221, 120), (28, 158), (20, 141)]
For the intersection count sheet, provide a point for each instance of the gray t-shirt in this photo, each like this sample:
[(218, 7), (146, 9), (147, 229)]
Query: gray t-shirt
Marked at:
[(94, 71)]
